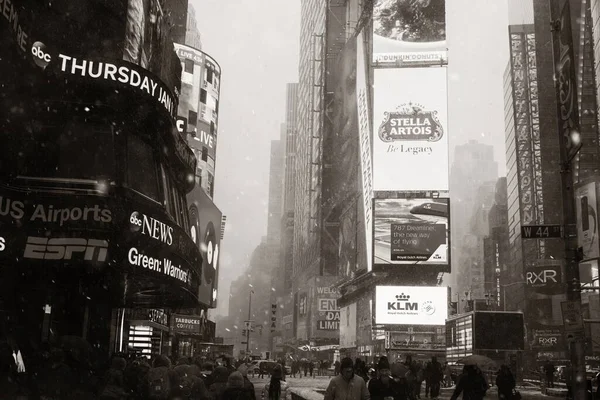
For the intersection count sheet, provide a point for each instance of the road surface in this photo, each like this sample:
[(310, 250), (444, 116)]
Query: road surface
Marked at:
[(320, 384)]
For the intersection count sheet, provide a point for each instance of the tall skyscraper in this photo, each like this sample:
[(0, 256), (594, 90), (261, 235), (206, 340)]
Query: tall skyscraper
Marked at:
[(192, 33), (276, 176), (309, 122), (473, 167), (289, 195)]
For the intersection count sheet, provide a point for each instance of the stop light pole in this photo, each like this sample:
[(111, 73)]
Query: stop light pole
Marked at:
[(570, 144)]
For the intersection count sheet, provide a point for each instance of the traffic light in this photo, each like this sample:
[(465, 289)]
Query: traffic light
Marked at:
[(243, 332)]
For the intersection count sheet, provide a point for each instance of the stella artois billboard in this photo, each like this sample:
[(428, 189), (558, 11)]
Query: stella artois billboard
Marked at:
[(410, 127)]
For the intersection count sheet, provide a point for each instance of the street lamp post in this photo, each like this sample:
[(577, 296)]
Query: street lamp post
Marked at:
[(249, 322)]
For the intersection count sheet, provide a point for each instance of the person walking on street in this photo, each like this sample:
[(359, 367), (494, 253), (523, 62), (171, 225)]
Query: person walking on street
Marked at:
[(276, 388), (568, 376), (235, 389), (471, 384), (381, 387), (243, 369), (435, 375), (402, 391), (311, 368), (426, 375), (549, 371), (347, 385), (505, 382)]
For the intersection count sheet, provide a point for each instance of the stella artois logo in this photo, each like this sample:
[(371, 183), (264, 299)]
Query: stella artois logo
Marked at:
[(411, 122)]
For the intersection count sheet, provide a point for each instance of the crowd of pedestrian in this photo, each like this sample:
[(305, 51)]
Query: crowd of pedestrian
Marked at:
[(64, 375)]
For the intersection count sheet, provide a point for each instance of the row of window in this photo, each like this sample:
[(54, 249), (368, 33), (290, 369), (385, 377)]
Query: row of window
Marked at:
[(82, 150)]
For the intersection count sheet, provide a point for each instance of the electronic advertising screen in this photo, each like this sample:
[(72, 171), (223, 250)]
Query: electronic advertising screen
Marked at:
[(411, 231), (411, 305), (499, 331), (409, 32), (410, 129)]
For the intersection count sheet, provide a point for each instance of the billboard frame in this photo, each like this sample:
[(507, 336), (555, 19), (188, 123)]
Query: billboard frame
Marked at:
[(413, 268)]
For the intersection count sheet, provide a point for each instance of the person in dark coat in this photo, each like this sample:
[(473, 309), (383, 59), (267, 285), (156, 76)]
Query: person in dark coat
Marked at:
[(549, 372), (114, 381), (220, 377), (435, 376), (243, 369), (235, 389), (471, 384), (505, 381), (381, 387)]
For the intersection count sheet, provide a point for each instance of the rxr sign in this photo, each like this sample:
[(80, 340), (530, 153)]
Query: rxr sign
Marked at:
[(542, 277), (547, 341)]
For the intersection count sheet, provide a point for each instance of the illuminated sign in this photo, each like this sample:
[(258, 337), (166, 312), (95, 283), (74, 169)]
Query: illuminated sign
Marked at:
[(51, 213), (186, 323), (43, 248), (410, 134), (409, 32), (120, 72), (152, 227), (411, 122), (165, 265), (410, 231), (325, 325), (406, 305)]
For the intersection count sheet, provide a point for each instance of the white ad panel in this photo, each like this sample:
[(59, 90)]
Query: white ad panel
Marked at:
[(587, 220), (364, 131), (411, 305), (410, 129), (409, 31), (348, 326)]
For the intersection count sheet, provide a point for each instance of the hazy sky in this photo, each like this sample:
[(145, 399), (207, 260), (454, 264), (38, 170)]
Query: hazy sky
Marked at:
[(256, 43)]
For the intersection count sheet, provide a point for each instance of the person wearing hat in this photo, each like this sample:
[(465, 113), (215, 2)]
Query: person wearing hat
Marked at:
[(381, 387), (347, 385), (243, 369), (277, 388)]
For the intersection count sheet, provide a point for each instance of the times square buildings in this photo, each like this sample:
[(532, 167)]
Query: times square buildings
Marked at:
[(348, 202), (108, 228)]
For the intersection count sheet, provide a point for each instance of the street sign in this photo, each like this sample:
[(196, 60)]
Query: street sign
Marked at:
[(541, 231), (572, 318)]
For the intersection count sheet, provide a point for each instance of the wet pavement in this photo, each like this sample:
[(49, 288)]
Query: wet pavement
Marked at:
[(312, 388)]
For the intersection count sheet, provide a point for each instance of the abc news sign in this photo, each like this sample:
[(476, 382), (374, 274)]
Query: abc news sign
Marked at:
[(545, 279)]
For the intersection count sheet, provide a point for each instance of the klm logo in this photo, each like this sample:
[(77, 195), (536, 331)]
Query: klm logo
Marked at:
[(402, 304)]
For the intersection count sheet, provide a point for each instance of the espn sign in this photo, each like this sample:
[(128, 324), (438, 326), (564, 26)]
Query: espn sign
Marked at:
[(42, 248)]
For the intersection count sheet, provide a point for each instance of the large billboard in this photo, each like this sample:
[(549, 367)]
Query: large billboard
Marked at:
[(199, 98), (364, 134), (205, 221), (124, 43), (408, 32), (348, 321), (411, 231), (586, 204), (410, 129), (411, 305)]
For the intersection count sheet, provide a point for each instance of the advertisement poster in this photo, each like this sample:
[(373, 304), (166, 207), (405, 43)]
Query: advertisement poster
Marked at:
[(545, 277), (411, 231), (411, 305), (325, 315), (205, 221), (410, 129), (196, 93), (364, 133), (409, 31), (587, 219), (348, 326), (549, 338)]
